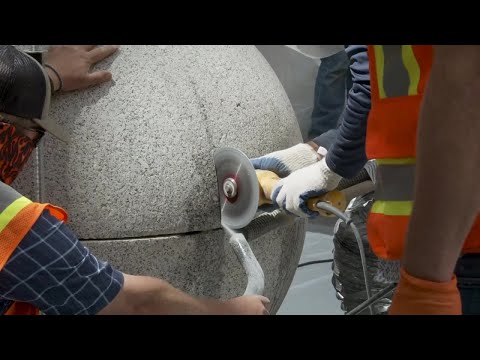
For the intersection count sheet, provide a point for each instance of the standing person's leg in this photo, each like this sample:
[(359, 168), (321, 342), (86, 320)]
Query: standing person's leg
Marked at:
[(330, 93), (468, 282)]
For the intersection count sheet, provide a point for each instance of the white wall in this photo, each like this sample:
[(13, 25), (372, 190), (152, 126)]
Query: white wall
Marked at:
[(297, 66)]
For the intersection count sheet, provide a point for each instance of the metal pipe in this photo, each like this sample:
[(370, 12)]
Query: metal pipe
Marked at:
[(261, 225), (373, 299)]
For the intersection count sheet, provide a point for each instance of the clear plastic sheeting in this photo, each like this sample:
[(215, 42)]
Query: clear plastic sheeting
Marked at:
[(296, 66)]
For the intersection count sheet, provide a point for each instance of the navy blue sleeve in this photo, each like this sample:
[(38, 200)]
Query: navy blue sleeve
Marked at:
[(327, 139), (53, 271), (346, 144)]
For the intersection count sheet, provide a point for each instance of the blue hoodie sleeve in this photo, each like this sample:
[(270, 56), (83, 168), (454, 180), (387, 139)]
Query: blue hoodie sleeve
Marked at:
[(346, 144)]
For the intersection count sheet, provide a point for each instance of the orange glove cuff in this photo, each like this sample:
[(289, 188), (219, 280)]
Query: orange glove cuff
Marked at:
[(416, 296)]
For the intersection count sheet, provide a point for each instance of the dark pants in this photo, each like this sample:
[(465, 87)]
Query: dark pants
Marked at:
[(468, 281), (331, 87)]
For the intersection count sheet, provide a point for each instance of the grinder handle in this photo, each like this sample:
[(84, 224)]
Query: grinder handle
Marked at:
[(339, 199), (267, 181)]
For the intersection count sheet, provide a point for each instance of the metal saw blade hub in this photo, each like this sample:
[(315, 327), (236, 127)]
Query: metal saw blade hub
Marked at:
[(237, 187)]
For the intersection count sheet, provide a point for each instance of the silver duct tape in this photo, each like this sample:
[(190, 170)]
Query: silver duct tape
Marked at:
[(348, 278)]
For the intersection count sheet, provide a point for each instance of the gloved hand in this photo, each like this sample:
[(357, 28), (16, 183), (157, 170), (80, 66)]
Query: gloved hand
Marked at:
[(415, 296), (284, 162), (293, 192)]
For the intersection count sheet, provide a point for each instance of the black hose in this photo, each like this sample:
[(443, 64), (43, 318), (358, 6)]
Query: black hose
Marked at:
[(374, 298), (316, 262), (357, 179)]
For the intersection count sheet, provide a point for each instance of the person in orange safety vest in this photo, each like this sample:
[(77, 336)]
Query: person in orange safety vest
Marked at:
[(413, 110)]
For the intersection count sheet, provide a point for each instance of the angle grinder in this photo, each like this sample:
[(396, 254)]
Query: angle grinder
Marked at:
[(338, 198), (242, 189)]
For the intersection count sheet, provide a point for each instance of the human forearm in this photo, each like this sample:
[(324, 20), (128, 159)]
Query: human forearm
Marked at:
[(346, 145), (147, 295), (448, 165), (152, 296)]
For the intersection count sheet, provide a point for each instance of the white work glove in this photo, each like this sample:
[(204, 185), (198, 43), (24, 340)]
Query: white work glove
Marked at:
[(284, 162), (293, 192)]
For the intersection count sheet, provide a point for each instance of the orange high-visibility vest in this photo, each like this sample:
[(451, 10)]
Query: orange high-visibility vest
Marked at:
[(17, 215), (398, 74)]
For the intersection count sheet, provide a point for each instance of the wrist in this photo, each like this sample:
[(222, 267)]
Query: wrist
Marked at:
[(330, 178), (320, 150), (55, 80), (326, 169), (425, 287), (214, 307), (416, 296), (312, 148), (313, 145)]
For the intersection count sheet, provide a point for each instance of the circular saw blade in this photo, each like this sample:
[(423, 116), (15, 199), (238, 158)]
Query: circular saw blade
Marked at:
[(240, 210)]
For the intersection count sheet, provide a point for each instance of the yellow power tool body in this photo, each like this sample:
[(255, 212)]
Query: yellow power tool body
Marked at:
[(267, 180)]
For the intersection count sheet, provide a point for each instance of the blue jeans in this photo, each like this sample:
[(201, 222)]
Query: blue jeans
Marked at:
[(331, 88), (468, 282)]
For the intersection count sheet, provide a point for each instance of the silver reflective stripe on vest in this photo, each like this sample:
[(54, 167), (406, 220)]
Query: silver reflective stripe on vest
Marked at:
[(7, 196), (395, 75), (395, 182)]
